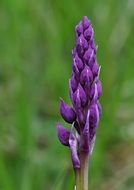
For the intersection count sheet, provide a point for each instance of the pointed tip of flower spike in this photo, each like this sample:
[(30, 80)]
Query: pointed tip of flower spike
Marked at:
[(67, 112), (86, 22), (63, 134)]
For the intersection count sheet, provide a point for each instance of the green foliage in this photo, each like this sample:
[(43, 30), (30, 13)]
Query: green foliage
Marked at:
[(36, 39)]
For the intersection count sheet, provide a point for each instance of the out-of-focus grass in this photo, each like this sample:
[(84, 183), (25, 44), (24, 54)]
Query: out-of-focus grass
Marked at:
[(35, 54)]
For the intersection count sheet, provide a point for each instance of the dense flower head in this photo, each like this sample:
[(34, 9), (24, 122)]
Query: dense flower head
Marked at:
[(85, 90)]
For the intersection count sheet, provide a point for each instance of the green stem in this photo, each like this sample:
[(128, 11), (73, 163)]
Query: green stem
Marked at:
[(82, 173), (77, 179)]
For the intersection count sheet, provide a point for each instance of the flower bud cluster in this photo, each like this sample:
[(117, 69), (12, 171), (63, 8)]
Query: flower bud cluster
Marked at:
[(85, 91)]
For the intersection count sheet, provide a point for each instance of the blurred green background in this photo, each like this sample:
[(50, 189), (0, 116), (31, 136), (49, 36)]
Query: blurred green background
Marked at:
[(36, 38)]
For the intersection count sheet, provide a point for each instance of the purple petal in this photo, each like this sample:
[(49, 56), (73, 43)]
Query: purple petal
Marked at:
[(95, 69), (93, 46), (81, 117), (99, 88), (88, 55), (86, 22), (88, 34), (86, 76), (79, 29), (76, 70), (80, 97), (94, 115), (74, 147), (63, 134), (94, 93), (82, 43), (73, 83), (78, 62), (67, 112), (71, 91), (85, 135), (99, 108)]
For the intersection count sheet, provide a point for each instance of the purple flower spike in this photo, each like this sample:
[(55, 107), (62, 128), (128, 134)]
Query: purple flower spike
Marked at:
[(85, 90), (67, 112), (63, 134)]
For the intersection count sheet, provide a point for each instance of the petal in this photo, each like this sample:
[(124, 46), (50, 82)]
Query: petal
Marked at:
[(73, 83), (80, 116), (88, 55), (94, 115), (85, 135), (71, 91), (79, 29), (99, 108), (63, 134), (76, 70), (88, 34), (86, 76), (78, 62), (93, 46), (67, 112), (99, 88), (82, 43), (80, 97), (94, 93), (86, 22), (74, 148), (92, 144), (95, 69)]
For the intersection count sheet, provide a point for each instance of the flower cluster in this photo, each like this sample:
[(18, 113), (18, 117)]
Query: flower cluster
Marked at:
[(85, 90)]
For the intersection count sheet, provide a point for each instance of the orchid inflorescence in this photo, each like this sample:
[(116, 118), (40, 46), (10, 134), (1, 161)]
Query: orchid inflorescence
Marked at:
[(85, 90)]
